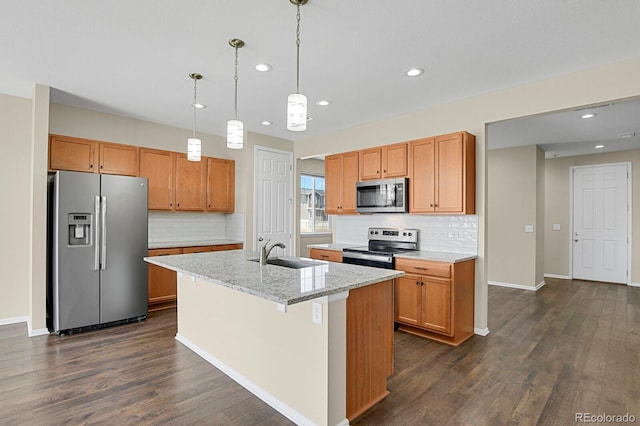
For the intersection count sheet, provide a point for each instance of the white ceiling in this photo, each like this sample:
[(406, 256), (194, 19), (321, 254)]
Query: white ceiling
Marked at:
[(132, 58)]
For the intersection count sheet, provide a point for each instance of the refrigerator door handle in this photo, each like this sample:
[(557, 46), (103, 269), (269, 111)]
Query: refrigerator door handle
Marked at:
[(96, 236), (103, 237)]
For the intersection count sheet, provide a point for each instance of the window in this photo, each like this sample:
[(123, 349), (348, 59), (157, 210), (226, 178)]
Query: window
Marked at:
[(313, 219)]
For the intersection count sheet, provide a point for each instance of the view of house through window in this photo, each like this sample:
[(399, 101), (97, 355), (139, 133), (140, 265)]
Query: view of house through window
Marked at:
[(312, 215)]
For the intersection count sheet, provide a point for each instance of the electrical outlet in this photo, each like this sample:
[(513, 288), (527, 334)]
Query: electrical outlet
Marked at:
[(528, 228), (316, 315), (556, 226)]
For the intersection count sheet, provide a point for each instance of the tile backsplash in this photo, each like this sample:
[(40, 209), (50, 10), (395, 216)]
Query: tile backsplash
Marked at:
[(195, 226), (451, 234)]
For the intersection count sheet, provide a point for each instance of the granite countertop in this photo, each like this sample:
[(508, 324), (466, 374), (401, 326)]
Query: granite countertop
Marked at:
[(334, 247), (288, 286), (192, 243), (437, 256)]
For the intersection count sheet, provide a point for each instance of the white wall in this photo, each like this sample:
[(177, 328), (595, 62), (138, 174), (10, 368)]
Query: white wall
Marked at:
[(15, 174), (515, 201)]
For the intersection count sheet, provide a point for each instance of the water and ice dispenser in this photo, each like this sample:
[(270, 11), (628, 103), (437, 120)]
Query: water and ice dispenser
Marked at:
[(80, 229)]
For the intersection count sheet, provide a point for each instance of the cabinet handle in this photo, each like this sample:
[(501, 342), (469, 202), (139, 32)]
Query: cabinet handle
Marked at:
[(101, 166), (91, 166), (324, 256), (421, 283), (178, 204), (430, 205), (421, 268), (384, 171), (417, 282)]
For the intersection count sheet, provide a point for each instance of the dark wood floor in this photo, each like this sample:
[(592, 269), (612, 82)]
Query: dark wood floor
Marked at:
[(570, 347)]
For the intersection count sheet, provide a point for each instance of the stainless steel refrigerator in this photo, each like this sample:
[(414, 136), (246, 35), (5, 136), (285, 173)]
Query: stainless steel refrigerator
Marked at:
[(97, 242)]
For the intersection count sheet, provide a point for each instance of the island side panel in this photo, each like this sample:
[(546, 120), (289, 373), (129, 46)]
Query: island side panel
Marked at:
[(282, 354), (369, 346)]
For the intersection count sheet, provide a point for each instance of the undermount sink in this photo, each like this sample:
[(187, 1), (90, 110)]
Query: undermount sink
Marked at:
[(287, 263)]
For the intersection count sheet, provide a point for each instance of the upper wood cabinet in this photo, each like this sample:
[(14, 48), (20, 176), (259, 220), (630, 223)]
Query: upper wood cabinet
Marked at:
[(442, 174), (221, 183), (85, 155), (341, 175), (389, 161), (69, 153), (118, 159), (158, 166), (191, 184)]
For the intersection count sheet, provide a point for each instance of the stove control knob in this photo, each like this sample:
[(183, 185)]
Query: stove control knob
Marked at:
[(410, 234)]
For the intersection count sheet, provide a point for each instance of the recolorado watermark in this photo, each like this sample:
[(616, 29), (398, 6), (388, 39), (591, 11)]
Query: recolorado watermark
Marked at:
[(604, 418)]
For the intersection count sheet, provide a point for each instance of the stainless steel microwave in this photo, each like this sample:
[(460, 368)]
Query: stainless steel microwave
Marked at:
[(382, 196)]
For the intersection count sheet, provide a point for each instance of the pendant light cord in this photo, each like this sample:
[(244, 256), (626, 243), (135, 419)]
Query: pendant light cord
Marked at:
[(298, 51), (195, 82), (235, 78)]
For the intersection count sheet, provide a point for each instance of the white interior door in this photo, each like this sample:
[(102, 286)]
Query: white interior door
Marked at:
[(274, 198), (601, 223)]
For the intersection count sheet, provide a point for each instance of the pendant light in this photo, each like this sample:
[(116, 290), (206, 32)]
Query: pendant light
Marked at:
[(297, 102), (235, 128), (194, 145)]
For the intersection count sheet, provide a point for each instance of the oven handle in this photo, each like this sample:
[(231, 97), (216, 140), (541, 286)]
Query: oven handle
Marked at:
[(365, 256)]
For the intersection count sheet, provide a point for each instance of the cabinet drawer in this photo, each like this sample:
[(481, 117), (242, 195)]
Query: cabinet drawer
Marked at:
[(424, 267), (196, 249), (330, 255), (164, 251)]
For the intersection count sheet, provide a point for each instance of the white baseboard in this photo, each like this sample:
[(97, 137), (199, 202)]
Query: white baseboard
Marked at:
[(269, 399), (560, 277), (14, 320), (518, 286), (481, 331), (634, 284), (37, 332)]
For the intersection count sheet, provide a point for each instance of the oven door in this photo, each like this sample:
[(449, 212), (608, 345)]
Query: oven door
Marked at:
[(366, 259)]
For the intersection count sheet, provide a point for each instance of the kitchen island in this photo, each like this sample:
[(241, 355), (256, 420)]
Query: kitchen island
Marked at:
[(314, 341)]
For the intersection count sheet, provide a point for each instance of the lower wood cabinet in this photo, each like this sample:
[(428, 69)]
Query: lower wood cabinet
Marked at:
[(322, 254), (162, 282), (163, 293), (436, 299)]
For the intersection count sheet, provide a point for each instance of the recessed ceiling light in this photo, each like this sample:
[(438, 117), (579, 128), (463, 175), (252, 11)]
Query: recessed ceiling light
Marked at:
[(323, 103), (414, 72), (199, 106), (266, 123), (263, 67), (590, 115), (599, 146)]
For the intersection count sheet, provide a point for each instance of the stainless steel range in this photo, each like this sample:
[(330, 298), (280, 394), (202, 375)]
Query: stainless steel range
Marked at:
[(384, 243)]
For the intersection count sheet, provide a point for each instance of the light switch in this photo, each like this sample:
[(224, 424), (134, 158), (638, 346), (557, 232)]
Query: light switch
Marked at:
[(556, 226), (528, 228)]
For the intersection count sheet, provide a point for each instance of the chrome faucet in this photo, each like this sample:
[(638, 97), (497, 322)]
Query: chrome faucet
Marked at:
[(265, 250)]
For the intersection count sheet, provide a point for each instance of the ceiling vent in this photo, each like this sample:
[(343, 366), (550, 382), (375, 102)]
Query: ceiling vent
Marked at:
[(626, 135), (593, 107)]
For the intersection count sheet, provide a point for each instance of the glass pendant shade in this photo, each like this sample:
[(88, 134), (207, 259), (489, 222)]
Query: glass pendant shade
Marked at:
[(235, 134), (194, 149), (297, 112)]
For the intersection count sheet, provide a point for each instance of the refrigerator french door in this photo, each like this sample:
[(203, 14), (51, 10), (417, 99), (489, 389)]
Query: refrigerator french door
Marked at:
[(98, 242)]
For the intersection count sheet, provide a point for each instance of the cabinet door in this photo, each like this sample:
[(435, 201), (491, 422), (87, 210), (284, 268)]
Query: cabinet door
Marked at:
[(191, 182), (422, 175), (408, 295), (333, 183), (436, 305), (369, 163), (158, 166), (75, 154), (116, 159), (394, 161), (449, 173), (349, 179), (221, 183), (162, 282), (329, 255)]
